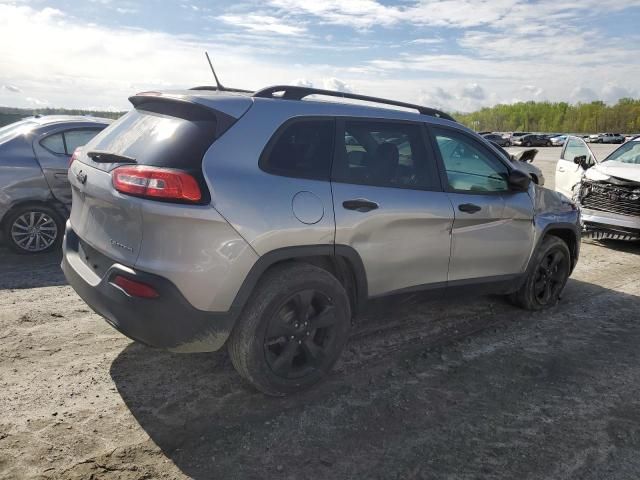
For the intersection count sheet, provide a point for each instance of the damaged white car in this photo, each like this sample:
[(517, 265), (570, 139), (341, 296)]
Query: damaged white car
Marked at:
[(607, 191)]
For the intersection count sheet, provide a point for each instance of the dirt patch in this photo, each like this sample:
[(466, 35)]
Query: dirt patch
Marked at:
[(426, 389)]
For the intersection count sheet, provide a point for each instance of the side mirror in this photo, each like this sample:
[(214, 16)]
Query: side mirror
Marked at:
[(518, 181), (583, 161)]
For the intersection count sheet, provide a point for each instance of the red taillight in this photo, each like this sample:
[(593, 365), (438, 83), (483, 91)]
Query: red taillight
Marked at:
[(75, 155), (155, 182), (135, 288)]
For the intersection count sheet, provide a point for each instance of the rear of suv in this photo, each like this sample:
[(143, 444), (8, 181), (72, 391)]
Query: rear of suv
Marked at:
[(263, 222)]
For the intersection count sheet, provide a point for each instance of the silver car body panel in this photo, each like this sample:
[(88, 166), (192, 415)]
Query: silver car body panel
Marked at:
[(489, 243), (404, 243), (30, 173), (416, 238)]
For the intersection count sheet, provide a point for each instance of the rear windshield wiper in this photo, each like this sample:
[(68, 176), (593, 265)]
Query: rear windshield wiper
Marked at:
[(108, 157)]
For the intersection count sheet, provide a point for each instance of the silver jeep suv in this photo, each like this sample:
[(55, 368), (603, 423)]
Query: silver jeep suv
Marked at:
[(264, 221)]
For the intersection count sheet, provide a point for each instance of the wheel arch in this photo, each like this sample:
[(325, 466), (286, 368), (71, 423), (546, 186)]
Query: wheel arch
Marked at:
[(570, 235), (53, 204), (342, 261)]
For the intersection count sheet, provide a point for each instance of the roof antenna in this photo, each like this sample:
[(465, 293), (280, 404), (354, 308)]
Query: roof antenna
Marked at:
[(219, 86)]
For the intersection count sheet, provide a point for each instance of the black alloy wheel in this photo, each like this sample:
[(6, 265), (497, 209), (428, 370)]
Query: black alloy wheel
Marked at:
[(300, 333), (546, 275), (550, 277)]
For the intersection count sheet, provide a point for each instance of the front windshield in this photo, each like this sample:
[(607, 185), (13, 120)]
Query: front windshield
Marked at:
[(13, 130), (627, 153)]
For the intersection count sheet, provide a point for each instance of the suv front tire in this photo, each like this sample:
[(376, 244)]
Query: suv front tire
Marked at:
[(292, 330), (547, 274)]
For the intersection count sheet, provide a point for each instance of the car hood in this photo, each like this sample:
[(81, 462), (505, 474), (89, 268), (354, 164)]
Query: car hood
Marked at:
[(550, 202), (606, 170)]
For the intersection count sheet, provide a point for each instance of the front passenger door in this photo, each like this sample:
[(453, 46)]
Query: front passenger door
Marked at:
[(568, 173), (493, 226), (389, 205)]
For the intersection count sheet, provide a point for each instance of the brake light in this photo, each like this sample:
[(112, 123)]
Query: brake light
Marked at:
[(76, 154), (135, 288), (155, 182)]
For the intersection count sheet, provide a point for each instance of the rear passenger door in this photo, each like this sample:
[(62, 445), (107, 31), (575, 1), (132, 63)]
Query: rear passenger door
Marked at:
[(54, 151), (493, 229), (389, 204)]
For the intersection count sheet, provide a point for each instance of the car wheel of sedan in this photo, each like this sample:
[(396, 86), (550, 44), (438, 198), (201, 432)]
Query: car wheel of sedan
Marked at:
[(292, 330), (528, 144), (546, 276), (33, 229), (549, 144)]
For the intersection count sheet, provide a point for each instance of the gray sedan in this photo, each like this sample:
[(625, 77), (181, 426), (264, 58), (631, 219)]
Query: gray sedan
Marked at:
[(35, 196)]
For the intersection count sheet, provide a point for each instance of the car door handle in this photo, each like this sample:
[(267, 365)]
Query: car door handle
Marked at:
[(561, 169), (360, 205), (469, 208)]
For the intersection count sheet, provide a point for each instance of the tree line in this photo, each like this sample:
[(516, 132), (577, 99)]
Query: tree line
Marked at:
[(623, 117)]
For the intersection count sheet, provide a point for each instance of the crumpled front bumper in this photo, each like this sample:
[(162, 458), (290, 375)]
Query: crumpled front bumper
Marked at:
[(598, 224)]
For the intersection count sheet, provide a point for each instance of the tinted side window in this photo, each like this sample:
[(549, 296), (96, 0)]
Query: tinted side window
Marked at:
[(78, 138), (303, 149), (54, 143), (386, 154), (468, 166)]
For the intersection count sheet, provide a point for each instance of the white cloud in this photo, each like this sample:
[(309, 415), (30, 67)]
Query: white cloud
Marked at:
[(363, 14), (12, 88), (126, 11), (262, 23), (36, 102), (337, 85), (583, 94), (427, 41), (302, 82), (493, 64), (474, 91)]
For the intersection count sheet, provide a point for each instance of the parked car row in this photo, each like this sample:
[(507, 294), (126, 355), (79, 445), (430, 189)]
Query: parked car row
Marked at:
[(606, 138), (551, 139)]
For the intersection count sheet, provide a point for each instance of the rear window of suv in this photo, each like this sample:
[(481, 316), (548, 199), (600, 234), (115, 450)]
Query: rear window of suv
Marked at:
[(301, 148)]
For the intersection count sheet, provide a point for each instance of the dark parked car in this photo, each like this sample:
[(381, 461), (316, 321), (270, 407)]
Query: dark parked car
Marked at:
[(35, 196), (533, 140), (498, 139)]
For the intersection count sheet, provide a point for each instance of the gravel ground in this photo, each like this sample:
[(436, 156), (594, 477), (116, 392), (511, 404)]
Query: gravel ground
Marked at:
[(426, 389)]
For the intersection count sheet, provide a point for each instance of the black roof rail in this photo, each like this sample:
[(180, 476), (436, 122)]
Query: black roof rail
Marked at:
[(225, 89), (290, 92)]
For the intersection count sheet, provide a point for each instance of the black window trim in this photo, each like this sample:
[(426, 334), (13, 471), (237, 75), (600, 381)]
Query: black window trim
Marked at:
[(64, 139), (481, 146), (80, 129), (64, 144), (428, 150), (266, 151)]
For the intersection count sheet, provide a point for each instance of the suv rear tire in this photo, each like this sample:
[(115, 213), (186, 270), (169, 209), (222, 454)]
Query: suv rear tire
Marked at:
[(547, 274), (33, 228), (292, 330)]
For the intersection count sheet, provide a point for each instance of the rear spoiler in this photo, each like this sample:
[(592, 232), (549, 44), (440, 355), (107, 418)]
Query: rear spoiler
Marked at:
[(187, 110)]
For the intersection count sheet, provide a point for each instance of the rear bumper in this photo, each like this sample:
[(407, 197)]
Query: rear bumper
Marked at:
[(168, 322)]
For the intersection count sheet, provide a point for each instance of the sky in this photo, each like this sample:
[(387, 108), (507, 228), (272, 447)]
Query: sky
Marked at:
[(458, 55)]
